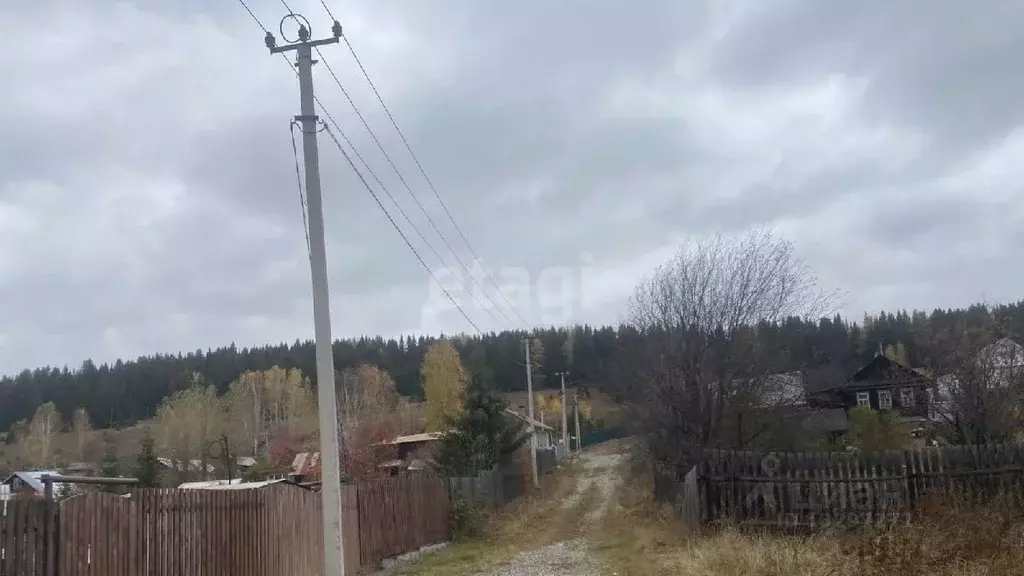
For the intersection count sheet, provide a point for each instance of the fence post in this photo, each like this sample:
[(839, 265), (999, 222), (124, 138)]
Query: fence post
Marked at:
[(51, 516)]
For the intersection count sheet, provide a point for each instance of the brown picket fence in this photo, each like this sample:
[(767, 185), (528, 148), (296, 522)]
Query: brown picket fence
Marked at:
[(814, 490), (261, 532)]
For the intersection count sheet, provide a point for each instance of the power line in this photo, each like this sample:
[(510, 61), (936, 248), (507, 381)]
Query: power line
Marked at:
[(302, 195), (255, 19), (328, 9), (408, 188), (394, 224), (392, 198), (397, 229), (402, 179), (369, 189), (419, 165)]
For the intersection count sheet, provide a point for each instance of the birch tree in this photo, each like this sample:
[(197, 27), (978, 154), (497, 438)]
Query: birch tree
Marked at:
[(261, 404), (367, 404), (187, 422), (444, 380), (81, 426), (41, 432)]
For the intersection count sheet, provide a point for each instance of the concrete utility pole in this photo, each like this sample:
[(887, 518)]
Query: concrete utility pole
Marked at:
[(533, 430), (334, 564), (565, 423), (576, 415)]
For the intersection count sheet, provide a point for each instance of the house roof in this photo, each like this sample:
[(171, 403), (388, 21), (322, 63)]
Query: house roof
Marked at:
[(235, 484), (883, 371), (245, 461), (192, 465), (306, 463), (529, 420), (414, 438), (34, 478)]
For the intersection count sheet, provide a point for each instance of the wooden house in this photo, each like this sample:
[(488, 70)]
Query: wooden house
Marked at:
[(881, 384)]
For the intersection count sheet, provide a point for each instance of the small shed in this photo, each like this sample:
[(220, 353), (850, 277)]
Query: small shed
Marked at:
[(545, 434)]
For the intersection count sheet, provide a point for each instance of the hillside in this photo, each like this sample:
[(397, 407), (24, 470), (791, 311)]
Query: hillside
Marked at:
[(126, 392), (128, 440)]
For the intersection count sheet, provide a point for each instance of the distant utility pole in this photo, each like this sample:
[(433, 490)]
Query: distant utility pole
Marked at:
[(533, 430), (334, 564), (565, 423), (576, 415)]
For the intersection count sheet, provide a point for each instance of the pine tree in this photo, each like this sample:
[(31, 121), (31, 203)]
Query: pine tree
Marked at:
[(110, 467), (147, 469), (482, 436)]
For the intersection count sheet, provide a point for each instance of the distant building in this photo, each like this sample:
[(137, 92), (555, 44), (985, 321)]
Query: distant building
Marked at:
[(236, 484), (305, 468), (245, 462), (412, 444), (194, 465), (881, 384), (998, 364), (29, 483), (82, 469), (545, 434)]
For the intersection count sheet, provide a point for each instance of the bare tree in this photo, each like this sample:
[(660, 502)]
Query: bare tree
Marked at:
[(187, 422), (81, 427), (262, 404), (38, 440), (701, 374), (368, 403), (979, 389), (368, 412)]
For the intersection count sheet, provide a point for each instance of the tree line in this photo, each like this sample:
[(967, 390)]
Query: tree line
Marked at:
[(128, 391)]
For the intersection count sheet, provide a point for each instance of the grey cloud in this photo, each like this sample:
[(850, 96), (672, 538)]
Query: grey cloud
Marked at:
[(552, 131)]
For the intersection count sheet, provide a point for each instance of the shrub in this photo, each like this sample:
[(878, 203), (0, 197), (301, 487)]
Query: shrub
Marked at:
[(467, 520)]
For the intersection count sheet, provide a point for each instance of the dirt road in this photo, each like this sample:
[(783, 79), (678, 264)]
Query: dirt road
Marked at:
[(595, 490)]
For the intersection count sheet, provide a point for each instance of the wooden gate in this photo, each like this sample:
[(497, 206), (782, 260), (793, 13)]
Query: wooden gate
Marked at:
[(23, 530)]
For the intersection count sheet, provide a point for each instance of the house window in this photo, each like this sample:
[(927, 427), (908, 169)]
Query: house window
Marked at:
[(885, 400), (907, 397), (863, 399)]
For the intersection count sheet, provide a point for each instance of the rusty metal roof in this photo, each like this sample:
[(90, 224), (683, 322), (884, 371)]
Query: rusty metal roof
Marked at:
[(306, 464)]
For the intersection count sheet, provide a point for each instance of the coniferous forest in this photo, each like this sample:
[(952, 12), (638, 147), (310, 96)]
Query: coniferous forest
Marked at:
[(130, 390)]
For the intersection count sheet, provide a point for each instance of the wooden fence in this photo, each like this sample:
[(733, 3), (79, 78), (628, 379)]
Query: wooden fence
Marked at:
[(23, 530), (398, 515), (266, 532), (275, 530), (811, 490), (490, 488)]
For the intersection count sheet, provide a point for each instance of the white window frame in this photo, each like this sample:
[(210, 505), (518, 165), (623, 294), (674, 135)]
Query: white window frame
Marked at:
[(885, 399), (907, 397), (864, 399)]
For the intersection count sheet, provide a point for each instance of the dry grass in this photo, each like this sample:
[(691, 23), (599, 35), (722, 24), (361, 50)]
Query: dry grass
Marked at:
[(642, 539)]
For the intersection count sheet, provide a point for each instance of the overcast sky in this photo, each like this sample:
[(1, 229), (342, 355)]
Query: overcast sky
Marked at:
[(148, 200)]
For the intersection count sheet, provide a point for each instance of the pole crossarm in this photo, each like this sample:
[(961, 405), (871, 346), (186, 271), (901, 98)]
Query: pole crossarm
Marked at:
[(295, 46)]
